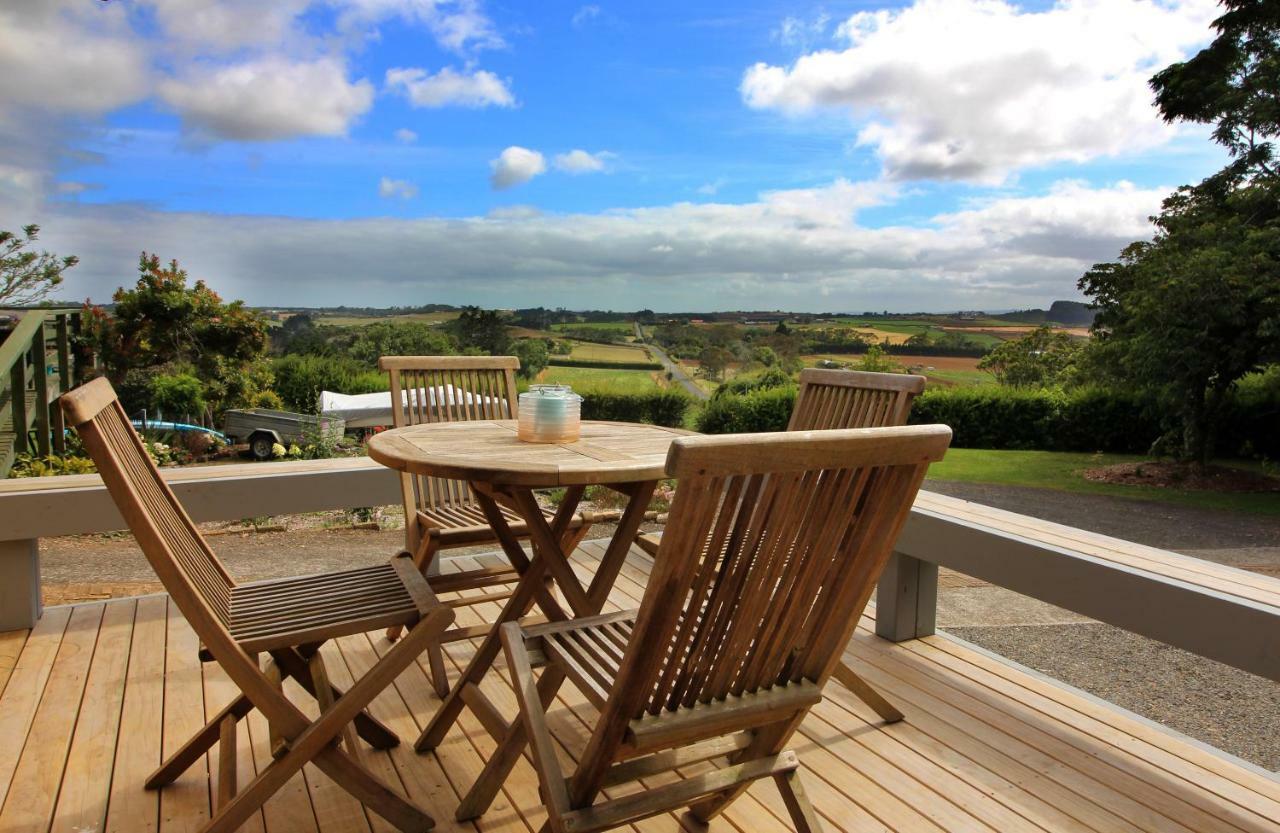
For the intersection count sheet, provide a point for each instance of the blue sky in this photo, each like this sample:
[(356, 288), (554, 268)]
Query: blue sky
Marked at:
[(935, 154)]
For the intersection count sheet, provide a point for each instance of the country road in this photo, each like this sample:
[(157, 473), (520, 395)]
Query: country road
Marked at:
[(676, 371)]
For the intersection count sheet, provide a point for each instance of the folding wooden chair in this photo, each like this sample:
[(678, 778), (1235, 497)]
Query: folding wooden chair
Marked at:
[(774, 544), (443, 514), (288, 619), (830, 399)]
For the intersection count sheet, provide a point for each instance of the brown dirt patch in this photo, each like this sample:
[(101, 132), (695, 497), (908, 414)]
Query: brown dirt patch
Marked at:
[(1184, 476)]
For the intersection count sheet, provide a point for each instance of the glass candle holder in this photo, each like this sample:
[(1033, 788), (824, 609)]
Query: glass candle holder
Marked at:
[(550, 414)]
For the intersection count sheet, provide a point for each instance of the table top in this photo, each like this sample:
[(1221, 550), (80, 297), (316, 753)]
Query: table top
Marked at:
[(488, 451)]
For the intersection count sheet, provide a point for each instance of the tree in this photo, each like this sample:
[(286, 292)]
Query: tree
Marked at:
[(400, 338), (163, 326), (1196, 308), (1189, 313), (1234, 83), (712, 362), (533, 355), (27, 277), (875, 361), (1043, 357), (481, 329)]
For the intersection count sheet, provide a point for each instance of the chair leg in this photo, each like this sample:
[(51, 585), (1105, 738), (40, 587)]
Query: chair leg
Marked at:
[(793, 795), (422, 558), (439, 676), (500, 763), (191, 751), (846, 676), (296, 663)]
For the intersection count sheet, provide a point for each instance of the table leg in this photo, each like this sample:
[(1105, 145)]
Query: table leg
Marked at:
[(529, 589), (549, 557)]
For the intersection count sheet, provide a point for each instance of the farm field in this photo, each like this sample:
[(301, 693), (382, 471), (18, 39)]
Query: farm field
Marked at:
[(364, 320), (946, 371), (590, 351), (597, 379)]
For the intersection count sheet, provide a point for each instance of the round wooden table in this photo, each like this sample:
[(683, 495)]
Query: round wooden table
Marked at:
[(627, 457)]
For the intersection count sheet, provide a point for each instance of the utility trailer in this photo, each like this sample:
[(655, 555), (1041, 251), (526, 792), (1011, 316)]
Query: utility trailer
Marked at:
[(262, 428)]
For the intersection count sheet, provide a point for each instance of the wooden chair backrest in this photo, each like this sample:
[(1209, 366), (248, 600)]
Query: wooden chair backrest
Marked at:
[(853, 399), (448, 389), (771, 551), (193, 576)]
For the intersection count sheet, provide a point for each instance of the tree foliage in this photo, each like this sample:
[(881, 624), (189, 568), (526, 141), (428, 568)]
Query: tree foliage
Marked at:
[(533, 355), (1043, 357), (27, 277), (399, 338), (484, 330), (162, 326), (1234, 84), (1190, 312)]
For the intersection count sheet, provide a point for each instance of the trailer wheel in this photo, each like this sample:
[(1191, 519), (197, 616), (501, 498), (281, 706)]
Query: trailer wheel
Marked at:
[(260, 445)]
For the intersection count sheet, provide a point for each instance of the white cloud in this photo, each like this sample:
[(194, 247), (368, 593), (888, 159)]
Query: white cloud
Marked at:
[(457, 25), (977, 89), (798, 32), (225, 26), (406, 136), (582, 162), (515, 166), (270, 99), (710, 189), (584, 15), (69, 58), (478, 88), (390, 189), (800, 249)]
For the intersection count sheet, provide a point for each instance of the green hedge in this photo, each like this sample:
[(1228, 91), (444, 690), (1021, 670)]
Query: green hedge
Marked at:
[(558, 362), (660, 407), (299, 379), (766, 409), (1088, 419)]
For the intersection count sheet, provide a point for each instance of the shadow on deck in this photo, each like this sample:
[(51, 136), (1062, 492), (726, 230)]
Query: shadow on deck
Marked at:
[(95, 694)]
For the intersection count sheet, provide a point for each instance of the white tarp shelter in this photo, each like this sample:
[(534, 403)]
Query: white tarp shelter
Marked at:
[(370, 410)]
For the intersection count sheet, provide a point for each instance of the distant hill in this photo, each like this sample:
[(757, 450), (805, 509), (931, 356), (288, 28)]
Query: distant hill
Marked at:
[(1067, 313)]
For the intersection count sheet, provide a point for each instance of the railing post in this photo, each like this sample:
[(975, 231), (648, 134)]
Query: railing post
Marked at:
[(19, 584), (18, 403), (63, 338), (40, 378), (907, 599)]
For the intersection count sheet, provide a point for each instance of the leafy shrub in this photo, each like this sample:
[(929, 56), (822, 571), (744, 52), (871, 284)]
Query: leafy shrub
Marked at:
[(660, 407), (299, 379), (177, 395), (764, 409), (29, 465), (742, 383)]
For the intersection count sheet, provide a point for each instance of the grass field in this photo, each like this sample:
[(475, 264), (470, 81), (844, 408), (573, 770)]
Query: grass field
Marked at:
[(596, 379), (590, 351), (948, 371), (1063, 471)]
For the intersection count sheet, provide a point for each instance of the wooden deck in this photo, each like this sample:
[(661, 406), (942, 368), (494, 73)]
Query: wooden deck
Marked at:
[(95, 694)]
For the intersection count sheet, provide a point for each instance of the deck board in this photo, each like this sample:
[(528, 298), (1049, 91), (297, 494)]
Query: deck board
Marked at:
[(93, 693)]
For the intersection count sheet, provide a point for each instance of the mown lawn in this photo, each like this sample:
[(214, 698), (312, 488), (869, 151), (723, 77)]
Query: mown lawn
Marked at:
[(598, 379), (1063, 471), (590, 351)]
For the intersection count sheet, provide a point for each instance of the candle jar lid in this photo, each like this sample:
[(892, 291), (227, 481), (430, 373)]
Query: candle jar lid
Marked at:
[(552, 392)]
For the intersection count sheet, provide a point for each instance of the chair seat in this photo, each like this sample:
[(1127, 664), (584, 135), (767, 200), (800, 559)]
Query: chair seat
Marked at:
[(279, 613), (588, 649), (466, 523)]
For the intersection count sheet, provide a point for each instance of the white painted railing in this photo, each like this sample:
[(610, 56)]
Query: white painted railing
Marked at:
[(1218, 612)]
